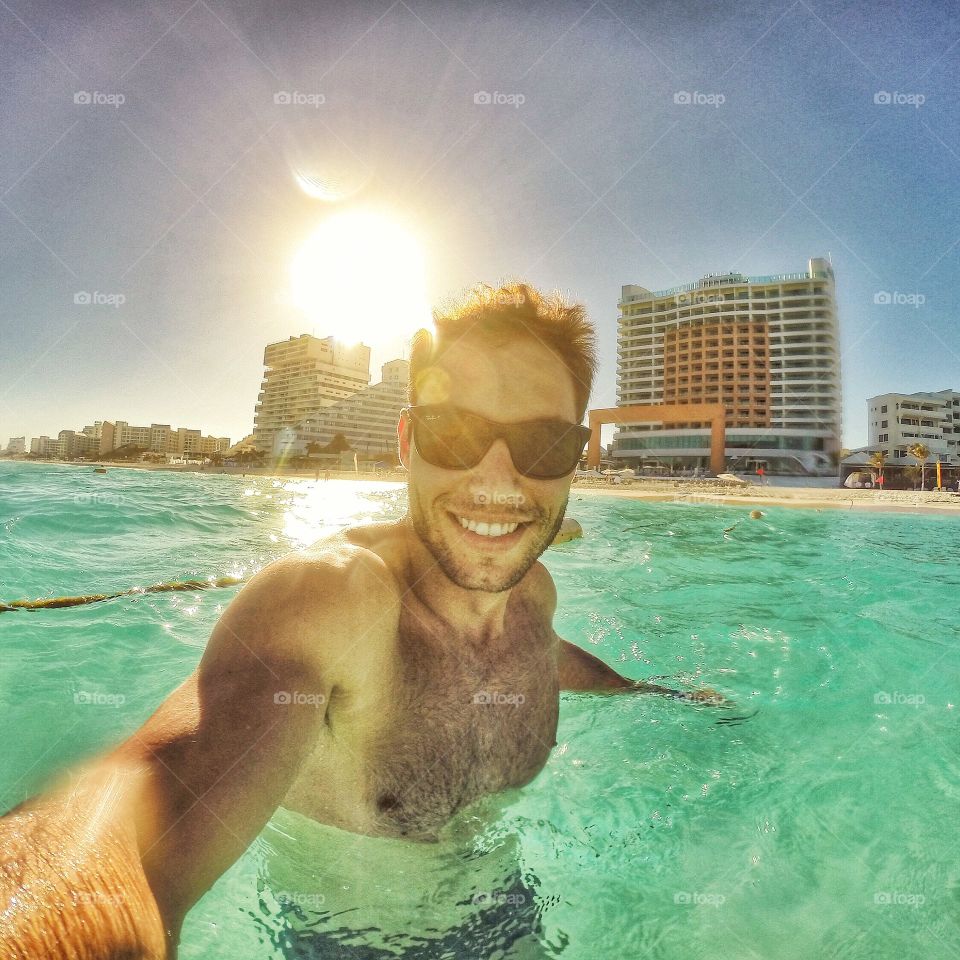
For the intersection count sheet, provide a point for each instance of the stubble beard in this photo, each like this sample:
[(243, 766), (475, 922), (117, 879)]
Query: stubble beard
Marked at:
[(483, 574)]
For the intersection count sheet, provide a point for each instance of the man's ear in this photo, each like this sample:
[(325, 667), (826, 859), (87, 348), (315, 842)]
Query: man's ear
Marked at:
[(403, 439)]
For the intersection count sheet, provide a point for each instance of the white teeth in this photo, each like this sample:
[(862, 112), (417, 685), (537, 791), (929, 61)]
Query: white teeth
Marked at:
[(487, 529)]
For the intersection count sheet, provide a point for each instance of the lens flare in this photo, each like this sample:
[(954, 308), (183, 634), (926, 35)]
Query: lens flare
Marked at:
[(360, 277)]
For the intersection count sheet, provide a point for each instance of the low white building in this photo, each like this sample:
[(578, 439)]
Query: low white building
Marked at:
[(367, 419), (896, 421), (45, 446)]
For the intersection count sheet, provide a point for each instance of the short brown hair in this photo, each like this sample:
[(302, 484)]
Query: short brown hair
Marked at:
[(496, 315)]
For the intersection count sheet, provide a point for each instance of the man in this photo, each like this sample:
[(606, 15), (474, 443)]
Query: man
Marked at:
[(354, 682)]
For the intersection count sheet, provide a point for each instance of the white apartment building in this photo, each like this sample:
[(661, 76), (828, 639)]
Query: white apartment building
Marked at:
[(367, 419), (897, 421), (158, 438), (16, 445), (302, 375), (44, 446), (767, 348), (105, 435)]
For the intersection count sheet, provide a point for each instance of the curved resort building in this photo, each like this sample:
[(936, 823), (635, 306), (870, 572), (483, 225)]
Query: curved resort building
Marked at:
[(767, 348)]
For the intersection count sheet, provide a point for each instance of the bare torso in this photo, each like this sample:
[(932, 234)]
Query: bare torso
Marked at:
[(423, 724)]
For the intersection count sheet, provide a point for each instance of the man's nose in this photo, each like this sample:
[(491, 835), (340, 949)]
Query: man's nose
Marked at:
[(496, 469)]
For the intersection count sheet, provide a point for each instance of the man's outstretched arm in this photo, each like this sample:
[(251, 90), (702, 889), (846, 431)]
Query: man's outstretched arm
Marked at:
[(581, 671), (108, 862)]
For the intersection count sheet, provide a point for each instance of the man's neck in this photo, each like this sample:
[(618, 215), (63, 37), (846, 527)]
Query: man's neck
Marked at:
[(472, 616)]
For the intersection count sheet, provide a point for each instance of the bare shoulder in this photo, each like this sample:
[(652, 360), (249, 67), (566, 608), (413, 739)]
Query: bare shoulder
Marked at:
[(312, 606), (352, 573)]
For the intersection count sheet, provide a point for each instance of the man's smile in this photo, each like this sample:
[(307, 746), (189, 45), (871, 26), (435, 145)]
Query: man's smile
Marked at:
[(489, 531)]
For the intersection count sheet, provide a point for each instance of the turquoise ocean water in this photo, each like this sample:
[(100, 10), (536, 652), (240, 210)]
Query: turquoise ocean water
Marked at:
[(822, 825)]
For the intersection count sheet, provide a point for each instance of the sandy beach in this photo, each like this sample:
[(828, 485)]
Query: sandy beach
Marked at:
[(756, 495)]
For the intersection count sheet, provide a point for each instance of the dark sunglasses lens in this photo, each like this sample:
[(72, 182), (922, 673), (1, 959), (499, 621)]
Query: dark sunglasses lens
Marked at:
[(445, 438), (547, 449), (457, 440)]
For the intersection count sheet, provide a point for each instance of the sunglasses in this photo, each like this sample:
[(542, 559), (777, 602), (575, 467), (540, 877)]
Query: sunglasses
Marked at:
[(455, 439)]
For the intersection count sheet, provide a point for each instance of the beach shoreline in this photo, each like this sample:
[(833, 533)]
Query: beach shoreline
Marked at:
[(712, 492), (928, 502)]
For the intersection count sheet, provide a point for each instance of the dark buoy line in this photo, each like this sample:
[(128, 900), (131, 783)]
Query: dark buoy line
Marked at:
[(569, 530), (54, 603)]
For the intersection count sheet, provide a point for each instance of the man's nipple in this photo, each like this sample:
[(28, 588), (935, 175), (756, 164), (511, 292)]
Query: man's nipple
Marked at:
[(388, 802)]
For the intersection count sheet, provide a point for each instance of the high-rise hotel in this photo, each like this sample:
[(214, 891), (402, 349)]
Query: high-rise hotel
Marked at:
[(302, 375), (765, 347)]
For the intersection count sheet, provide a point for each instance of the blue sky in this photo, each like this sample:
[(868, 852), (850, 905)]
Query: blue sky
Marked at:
[(180, 199)]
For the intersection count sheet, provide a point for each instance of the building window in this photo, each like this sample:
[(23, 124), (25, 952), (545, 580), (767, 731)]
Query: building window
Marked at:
[(885, 424), (883, 409)]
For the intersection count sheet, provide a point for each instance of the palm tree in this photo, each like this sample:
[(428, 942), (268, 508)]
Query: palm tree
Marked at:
[(339, 444), (877, 460), (920, 452)]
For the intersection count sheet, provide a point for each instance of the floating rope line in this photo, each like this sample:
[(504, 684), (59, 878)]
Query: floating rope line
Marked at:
[(53, 603)]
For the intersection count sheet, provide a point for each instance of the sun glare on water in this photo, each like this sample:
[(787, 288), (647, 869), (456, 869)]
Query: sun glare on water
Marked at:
[(360, 277)]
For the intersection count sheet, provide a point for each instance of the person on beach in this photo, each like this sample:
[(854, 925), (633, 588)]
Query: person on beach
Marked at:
[(379, 681)]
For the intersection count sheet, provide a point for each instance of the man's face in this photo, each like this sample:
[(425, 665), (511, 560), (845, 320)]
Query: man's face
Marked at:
[(523, 380)]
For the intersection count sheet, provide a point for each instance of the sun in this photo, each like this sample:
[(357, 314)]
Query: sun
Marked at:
[(361, 277)]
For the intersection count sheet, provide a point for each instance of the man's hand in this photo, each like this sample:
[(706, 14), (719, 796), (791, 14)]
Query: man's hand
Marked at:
[(706, 695), (581, 671)]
